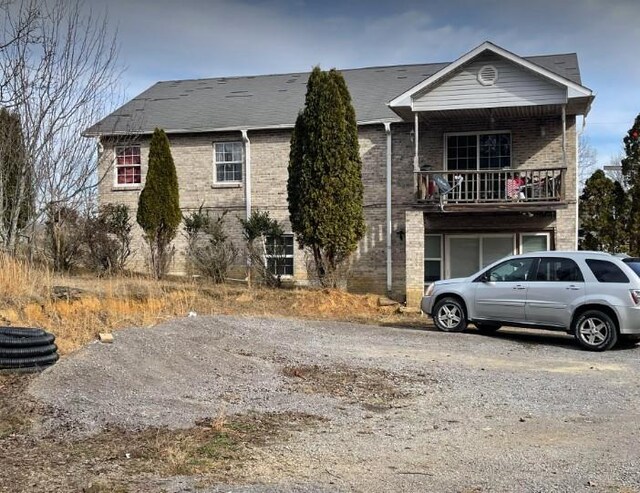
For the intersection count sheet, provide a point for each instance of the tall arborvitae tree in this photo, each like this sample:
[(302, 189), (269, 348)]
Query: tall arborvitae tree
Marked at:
[(159, 204), (17, 194), (604, 214), (631, 173), (325, 191)]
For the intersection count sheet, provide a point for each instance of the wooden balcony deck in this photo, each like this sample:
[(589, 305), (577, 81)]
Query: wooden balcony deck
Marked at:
[(491, 190)]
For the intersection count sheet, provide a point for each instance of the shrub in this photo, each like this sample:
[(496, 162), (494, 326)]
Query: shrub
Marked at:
[(159, 204), (63, 237), (107, 236), (324, 189), (255, 230), (209, 250)]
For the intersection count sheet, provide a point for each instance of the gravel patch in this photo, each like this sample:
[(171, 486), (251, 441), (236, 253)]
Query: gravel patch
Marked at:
[(406, 410)]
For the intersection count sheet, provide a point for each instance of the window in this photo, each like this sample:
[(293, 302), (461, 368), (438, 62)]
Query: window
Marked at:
[(478, 151), (514, 270), (606, 271), (534, 242), (128, 165), (558, 270), (228, 162), (279, 254), (432, 258), (467, 254)]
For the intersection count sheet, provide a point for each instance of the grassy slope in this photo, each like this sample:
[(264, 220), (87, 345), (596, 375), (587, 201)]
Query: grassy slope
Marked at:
[(32, 296)]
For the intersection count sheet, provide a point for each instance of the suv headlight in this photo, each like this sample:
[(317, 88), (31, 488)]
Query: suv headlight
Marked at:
[(432, 286)]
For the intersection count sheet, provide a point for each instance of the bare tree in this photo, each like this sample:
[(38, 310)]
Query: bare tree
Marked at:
[(587, 160), (59, 74), (613, 169)]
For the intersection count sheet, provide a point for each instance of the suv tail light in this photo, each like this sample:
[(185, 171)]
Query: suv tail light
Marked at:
[(635, 296)]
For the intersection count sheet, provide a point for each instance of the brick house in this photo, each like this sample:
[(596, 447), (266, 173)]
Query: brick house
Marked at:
[(497, 129)]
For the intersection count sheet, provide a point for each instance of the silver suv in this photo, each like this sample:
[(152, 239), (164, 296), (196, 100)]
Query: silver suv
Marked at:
[(592, 295)]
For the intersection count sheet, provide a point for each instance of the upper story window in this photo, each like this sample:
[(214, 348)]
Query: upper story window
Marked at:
[(128, 165), (228, 158), (483, 150)]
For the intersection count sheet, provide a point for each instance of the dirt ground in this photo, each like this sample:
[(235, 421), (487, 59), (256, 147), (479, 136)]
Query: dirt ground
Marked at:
[(265, 404)]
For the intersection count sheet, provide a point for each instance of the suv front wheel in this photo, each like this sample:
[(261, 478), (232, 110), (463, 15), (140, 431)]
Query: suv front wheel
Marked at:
[(450, 315), (595, 331)]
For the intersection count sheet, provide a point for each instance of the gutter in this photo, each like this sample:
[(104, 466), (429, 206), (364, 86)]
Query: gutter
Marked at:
[(387, 130), (247, 172), (283, 126)]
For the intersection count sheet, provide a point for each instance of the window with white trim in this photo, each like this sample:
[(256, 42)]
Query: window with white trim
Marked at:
[(482, 150), (279, 254), (128, 165), (534, 242), (432, 258), (228, 157)]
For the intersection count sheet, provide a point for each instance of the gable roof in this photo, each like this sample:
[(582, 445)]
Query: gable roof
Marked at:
[(273, 101), (575, 88)]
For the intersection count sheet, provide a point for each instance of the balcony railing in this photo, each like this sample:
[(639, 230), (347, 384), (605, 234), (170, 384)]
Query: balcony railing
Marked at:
[(491, 186)]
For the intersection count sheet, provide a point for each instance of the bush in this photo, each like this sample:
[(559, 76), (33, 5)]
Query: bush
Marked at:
[(209, 250), (63, 237), (107, 236), (159, 204), (255, 230)]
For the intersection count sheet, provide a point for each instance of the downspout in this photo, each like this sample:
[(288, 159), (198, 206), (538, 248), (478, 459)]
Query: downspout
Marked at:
[(577, 164), (247, 190), (247, 172), (387, 130)]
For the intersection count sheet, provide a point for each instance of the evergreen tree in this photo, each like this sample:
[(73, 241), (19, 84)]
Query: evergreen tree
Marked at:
[(159, 204), (325, 190), (631, 173), (16, 179), (604, 209)]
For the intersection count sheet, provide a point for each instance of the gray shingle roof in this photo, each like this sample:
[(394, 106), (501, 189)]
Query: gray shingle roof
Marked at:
[(266, 101)]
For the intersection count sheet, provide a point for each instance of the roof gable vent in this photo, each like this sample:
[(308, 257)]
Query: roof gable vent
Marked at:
[(487, 75)]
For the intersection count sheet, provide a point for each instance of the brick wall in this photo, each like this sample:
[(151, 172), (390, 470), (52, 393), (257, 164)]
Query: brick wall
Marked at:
[(193, 156)]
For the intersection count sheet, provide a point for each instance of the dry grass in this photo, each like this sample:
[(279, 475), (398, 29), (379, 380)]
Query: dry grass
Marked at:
[(31, 296)]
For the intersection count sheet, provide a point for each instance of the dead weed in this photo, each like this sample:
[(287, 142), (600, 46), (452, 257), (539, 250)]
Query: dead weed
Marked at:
[(371, 387)]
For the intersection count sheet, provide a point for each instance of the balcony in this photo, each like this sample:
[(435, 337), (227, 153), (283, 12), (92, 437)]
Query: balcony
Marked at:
[(490, 190)]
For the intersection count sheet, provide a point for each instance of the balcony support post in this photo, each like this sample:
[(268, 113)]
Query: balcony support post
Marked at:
[(564, 135), (416, 154)]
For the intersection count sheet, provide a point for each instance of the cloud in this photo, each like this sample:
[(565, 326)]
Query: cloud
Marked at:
[(163, 39)]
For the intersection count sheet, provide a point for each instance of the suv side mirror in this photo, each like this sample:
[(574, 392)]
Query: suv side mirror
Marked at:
[(484, 277)]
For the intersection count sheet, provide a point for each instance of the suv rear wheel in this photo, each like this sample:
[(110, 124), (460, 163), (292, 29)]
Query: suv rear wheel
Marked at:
[(595, 331), (450, 315)]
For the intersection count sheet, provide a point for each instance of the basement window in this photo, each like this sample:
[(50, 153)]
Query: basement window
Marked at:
[(279, 254)]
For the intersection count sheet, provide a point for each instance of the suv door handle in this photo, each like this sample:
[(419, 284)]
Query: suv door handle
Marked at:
[(573, 288), (519, 286)]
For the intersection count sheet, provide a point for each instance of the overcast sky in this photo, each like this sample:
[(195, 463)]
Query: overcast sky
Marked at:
[(163, 39)]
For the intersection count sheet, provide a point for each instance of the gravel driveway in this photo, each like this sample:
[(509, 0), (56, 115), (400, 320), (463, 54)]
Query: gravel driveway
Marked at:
[(406, 409)]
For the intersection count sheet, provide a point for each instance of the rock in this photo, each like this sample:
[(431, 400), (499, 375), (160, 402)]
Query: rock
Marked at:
[(105, 337), (66, 293), (408, 309)]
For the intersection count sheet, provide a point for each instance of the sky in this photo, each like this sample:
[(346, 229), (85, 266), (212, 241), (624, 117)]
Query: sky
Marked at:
[(164, 40)]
